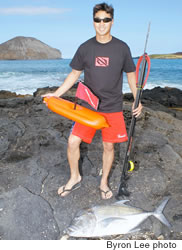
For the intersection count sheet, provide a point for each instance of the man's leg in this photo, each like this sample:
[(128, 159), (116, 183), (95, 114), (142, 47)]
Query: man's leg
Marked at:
[(108, 157), (73, 153)]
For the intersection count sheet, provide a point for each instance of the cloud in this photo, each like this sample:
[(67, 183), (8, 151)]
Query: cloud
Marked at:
[(32, 11)]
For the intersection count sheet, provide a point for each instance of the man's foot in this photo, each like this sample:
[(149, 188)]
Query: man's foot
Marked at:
[(68, 188), (106, 193)]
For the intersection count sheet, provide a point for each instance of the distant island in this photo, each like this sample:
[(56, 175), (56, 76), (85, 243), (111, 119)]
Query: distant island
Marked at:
[(27, 48), (177, 55)]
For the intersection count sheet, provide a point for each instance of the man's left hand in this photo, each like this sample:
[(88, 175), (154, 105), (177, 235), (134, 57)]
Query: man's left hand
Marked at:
[(136, 112)]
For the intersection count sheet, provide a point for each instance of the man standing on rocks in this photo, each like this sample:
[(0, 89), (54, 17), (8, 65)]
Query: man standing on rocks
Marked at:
[(103, 59)]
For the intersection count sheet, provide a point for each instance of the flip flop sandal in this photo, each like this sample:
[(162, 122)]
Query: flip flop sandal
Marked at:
[(76, 186), (105, 194)]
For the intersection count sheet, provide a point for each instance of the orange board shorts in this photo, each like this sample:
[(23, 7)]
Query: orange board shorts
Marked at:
[(115, 133)]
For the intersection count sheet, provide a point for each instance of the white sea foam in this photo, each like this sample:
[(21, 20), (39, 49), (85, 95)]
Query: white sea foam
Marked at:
[(24, 77)]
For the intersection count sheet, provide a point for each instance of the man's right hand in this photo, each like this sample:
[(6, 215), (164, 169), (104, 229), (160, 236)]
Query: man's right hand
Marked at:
[(49, 95)]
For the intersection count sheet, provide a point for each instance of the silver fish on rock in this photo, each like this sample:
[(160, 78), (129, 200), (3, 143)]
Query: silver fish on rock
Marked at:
[(113, 219)]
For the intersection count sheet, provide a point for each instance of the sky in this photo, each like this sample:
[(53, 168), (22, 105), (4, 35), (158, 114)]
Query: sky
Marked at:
[(65, 24)]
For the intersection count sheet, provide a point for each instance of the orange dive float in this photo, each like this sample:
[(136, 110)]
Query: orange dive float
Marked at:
[(81, 114)]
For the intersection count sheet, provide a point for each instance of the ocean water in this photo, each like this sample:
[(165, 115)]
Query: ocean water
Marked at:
[(25, 76)]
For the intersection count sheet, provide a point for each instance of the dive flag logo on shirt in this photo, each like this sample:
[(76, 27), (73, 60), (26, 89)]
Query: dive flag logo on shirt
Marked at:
[(84, 93), (102, 61)]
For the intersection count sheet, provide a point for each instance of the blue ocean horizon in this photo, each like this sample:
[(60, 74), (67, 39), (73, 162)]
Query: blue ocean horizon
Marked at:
[(26, 76)]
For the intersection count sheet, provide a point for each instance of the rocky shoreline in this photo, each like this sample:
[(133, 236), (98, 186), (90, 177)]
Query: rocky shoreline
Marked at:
[(33, 165)]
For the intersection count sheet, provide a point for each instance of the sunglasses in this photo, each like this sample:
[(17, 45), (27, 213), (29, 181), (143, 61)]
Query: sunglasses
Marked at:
[(105, 20)]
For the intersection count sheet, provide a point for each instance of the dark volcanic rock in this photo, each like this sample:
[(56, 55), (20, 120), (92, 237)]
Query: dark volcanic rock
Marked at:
[(42, 91), (33, 152), (169, 97), (4, 94), (165, 99), (68, 94), (25, 216), (24, 48)]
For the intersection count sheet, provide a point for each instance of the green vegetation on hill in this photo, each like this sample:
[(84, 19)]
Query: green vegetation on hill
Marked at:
[(177, 55)]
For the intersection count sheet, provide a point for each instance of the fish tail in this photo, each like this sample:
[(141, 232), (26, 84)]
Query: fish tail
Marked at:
[(158, 213)]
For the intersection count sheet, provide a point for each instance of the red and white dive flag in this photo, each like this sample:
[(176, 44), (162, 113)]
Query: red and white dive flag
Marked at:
[(86, 94)]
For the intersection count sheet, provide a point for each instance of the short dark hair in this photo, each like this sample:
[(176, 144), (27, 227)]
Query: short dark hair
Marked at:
[(104, 7)]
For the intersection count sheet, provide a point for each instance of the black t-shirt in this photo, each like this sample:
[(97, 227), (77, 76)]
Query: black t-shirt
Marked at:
[(103, 66)]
